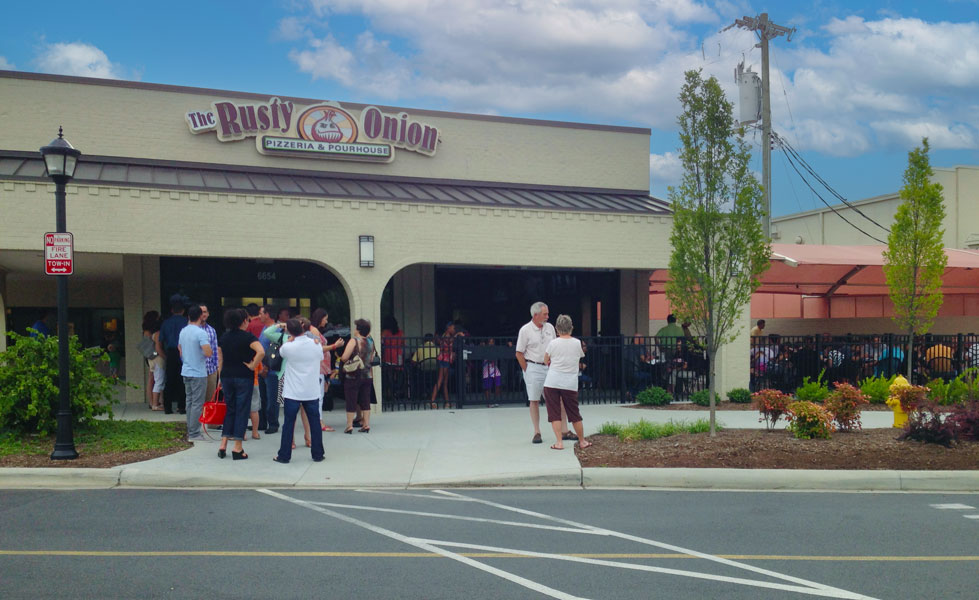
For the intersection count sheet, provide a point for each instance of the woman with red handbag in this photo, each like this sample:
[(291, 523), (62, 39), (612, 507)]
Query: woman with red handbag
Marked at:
[(239, 353)]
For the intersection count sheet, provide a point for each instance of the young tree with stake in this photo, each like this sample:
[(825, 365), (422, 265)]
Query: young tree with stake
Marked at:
[(719, 250), (915, 257)]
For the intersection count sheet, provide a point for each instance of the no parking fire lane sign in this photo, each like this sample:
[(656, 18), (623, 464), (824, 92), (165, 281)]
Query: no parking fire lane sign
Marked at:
[(58, 251)]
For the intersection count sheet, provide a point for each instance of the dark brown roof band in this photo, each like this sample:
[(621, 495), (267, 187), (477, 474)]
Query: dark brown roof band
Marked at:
[(179, 89), (25, 166)]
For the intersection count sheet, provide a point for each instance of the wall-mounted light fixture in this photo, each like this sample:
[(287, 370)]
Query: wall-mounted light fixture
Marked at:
[(367, 251)]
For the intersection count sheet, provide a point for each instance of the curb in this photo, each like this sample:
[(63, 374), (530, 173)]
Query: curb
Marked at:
[(65, 477), (783, 479)]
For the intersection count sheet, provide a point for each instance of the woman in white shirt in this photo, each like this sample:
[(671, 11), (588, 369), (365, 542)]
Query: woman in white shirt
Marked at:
[(301, 389), (561, 384)]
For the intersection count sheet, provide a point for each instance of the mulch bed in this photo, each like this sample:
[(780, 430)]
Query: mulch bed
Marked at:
[(760, 449), (95, 461)]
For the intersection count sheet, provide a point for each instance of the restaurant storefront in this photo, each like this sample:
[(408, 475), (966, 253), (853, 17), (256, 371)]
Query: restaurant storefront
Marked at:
[(233, 196)]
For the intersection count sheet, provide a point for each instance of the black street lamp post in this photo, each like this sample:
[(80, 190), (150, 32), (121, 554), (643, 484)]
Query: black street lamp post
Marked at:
[(60, 160)]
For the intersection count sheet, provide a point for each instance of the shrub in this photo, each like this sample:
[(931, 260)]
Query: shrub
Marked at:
[(877, 389), (812, 391), (927, 425), (911, 397), (844, 404), (960, 390), (654, 396), (965, 420), (29, 393), (701, 398), (772, 404), (739, 396), (808, 420)]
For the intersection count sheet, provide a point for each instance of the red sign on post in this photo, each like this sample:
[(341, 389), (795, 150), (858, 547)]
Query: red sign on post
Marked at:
[(58, 250)]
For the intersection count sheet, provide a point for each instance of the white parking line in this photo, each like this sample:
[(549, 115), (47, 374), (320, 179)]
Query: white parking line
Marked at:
[(828, 593), (460, 518), (952, 506), (839, 593), (802, 586), (531, 585)]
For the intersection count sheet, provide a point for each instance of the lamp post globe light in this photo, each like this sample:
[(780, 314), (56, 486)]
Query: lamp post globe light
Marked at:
[(59, 162)]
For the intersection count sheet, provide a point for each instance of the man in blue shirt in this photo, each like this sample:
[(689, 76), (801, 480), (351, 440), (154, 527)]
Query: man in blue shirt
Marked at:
[(169, 337), (194, 348)]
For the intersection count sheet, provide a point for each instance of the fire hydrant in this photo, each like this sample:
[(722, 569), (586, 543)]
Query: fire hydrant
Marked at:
[(900, 417)]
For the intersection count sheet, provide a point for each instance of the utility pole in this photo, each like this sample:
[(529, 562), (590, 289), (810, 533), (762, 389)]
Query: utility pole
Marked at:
[(766, 30)]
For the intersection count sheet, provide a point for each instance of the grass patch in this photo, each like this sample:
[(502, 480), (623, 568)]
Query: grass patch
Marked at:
[(646, 430), (102, 437)]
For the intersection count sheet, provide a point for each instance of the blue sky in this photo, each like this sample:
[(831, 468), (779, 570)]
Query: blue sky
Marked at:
[(854, 90)]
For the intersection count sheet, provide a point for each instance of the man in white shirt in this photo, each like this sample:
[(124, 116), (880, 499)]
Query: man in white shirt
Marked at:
[(301, 389), (531, 343)]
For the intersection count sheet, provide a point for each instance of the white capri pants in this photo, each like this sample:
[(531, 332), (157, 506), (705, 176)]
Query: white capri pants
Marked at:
[(159, 376), (534, 378)]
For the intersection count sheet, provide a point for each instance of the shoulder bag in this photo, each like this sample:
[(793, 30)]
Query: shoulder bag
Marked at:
[(273, 360), (355, 364), (147, 348)]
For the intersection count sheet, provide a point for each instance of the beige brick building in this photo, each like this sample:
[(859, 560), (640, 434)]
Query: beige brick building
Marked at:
[(492, 193)]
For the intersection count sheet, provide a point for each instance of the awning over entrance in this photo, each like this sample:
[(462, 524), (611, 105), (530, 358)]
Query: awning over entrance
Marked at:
[(804, 270)]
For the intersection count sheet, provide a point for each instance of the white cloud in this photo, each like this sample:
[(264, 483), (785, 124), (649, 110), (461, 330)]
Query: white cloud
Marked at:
[(665, 168), (6, 65), (852, 84), (77, 58)]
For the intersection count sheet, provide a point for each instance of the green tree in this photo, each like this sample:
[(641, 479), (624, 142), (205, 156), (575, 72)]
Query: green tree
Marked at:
[(719, 250), (915, 257)]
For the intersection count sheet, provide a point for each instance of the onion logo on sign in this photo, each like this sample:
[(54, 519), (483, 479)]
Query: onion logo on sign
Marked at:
[(327, 124)]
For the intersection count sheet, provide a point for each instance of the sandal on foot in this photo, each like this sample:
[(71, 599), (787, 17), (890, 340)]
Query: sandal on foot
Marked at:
[(556, 447), (348, 430), (238, 455), (255, 436), (281, 462), (585, 444), (537, 439), (222, 452), (567, 435), (328, 428), (365, 430)]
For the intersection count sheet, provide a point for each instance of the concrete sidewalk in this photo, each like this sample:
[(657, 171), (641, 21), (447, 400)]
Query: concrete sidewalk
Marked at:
[(470, 447)]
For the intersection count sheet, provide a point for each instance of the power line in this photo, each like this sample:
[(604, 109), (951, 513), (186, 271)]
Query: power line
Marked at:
[(788, 147), (791, 157)]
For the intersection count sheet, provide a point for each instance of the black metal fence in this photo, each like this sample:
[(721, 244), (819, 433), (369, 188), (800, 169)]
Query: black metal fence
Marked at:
[(781, 362), (483, 371)]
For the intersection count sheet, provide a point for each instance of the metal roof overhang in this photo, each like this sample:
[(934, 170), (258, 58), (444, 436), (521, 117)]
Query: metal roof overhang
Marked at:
[(233, 179), (811, 270)]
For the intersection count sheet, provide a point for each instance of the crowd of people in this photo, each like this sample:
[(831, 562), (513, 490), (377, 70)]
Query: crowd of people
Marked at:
[(782, 362), (259, 364)]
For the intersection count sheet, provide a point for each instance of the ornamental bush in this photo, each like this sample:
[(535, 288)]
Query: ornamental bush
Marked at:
[(877, 389), (844, 404), (772, 404), (654, 396), (739, 396), (701, 398), (911, 397), (29, 393), (808, 420), (966, 421), (927, 424), (813, 391)]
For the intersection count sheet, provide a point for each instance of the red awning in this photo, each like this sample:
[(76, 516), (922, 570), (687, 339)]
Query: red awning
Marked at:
[(844, 271)]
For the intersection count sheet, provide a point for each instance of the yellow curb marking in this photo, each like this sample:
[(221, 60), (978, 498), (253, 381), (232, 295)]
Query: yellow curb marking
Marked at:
[(219, 553)]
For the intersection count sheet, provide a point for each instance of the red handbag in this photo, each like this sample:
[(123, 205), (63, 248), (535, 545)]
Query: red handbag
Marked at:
[(214, 410)]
